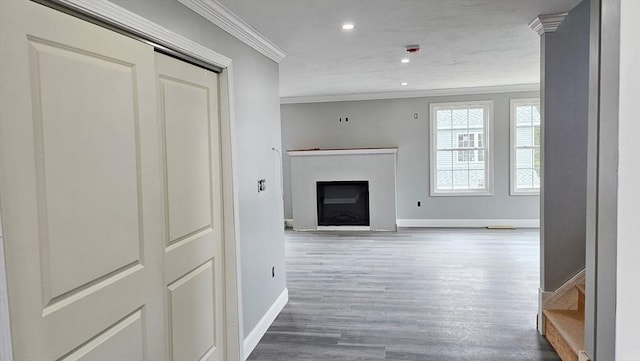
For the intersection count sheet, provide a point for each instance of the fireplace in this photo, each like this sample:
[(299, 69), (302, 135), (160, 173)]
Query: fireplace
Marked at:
[(344, 203), (312, 169)]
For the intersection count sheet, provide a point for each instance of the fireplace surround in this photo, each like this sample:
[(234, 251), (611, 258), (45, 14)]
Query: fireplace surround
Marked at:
[(376, 166)]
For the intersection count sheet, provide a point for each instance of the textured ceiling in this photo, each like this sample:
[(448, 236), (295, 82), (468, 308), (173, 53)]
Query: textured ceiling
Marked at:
[(465, 43)]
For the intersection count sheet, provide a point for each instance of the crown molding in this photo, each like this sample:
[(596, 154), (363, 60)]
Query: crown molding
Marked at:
[(411, 94), (113, 14), (225, 19), (547, 23)]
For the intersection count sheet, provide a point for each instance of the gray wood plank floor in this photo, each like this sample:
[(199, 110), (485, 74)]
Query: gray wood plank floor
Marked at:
[(418, 294)]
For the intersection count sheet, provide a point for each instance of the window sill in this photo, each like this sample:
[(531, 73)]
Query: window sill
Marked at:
[(462, 194), (524, 193)]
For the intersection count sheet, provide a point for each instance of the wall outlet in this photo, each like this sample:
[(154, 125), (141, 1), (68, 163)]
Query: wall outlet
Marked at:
[(419, 204), (415, 116), (262, 185), (273, 271)]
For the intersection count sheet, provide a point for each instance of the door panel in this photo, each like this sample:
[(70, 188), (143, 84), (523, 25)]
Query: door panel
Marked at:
[(192, 321), (190, 123), (80, 191), (74, 222), (124, 341), (186, 122)]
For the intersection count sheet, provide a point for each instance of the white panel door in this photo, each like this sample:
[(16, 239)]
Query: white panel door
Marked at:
[(190, 125), (80, 189)]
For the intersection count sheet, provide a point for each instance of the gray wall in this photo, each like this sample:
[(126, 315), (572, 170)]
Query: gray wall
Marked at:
[(257, 113), (565, 124), (390, 123)]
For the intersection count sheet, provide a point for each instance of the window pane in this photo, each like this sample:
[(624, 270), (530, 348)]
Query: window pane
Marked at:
[(444, 160), (524, 178), (536, 114), (444, 119), (536, 135), (524, 136), (536, 178), (461, 179), (444, 139), (476, 118), (445, 180), (476, 179), (460, 119), (524, 158), (523, 115)]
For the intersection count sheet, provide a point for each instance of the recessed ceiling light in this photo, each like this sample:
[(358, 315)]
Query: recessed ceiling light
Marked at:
[(348, 26), (404, 83), (405, 60)]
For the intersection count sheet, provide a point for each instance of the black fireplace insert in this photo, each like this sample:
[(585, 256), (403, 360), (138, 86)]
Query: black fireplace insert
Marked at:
[(343, 203)]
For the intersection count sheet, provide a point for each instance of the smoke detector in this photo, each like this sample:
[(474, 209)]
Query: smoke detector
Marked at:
[(412, 49)]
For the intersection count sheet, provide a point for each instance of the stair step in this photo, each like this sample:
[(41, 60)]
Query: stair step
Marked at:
[(581, 293), (565, 332)]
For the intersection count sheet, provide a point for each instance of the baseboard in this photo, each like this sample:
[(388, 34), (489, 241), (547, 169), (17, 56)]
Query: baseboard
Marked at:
[(468, 223), (251, 341)]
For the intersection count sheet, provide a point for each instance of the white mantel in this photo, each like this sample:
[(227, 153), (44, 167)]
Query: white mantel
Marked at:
[(375, 165), (319, 152)]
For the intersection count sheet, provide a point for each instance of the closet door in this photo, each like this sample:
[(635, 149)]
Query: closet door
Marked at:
[(80, 189), (190, 123)]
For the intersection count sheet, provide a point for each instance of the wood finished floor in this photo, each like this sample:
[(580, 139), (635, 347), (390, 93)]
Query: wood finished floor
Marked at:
[(418, 294)]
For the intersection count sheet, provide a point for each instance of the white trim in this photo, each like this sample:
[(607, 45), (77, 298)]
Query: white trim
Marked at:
[(226, 20), (547, 23), (542, 299), (468, 223), (512, 147), (263, 325), (5, 325), (125, 19), (107, 11), (320, 152), (411, 94), (231, 224), (344, 228), (488, 143)]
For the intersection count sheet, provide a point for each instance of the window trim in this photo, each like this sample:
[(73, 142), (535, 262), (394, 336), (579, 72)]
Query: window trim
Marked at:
[(489, 146), (513, 103)]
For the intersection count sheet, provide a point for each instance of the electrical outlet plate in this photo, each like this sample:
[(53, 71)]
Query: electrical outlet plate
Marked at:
[(583, 356)]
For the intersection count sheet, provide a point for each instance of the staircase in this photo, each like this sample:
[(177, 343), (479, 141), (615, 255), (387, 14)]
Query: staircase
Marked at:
[(564, 328)]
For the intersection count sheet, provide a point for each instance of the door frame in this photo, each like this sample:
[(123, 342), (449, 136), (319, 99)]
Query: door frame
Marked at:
[(129, 22)]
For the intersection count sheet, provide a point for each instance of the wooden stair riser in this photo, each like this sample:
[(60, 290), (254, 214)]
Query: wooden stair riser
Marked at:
[(559, 344)]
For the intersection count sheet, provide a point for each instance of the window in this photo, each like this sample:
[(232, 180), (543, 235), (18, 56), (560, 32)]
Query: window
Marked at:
[(525, 146), (460, 148)]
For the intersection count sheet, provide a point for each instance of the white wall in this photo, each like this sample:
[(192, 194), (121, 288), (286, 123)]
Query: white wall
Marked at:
[(628, 272), (257, 115), (391, 123)]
